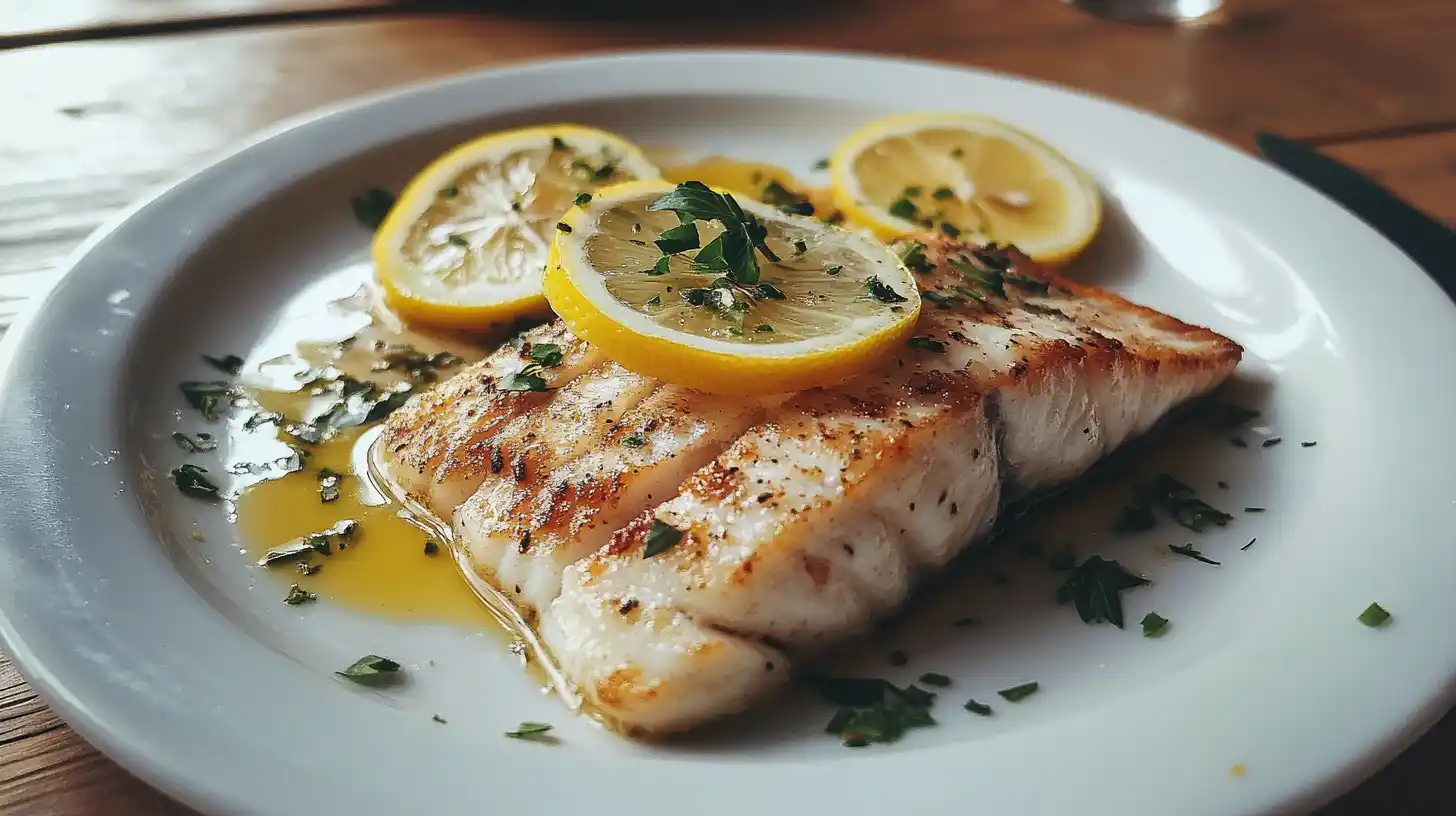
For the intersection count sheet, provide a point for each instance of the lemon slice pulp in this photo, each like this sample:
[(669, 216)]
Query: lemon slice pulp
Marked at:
[(966, 175), (832, 305), (466, 243)]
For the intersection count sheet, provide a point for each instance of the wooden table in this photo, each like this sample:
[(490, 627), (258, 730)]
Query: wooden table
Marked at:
[(105, 99)]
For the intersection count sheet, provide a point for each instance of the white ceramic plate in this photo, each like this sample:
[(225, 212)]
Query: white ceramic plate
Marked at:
[(163, 652)]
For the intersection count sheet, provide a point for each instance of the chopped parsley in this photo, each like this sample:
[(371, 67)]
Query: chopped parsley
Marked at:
[(1180, 501), (558, 143), (1016, 694), (190, 481), (209, 397), (950, 230), (833, 269), (913, 256), (1253, 509), (883, 292), (582, 199), (1095, 588), (431, 548), (203, 443), (991, 280), (563, 227), (371, 670), (942, 194), (732, 252), (635, 441), (821, 164), (661, 537), (1188, 551), (437, 718), (977, 708), (926, 344), (328, 485), (768, 291), (228, 363), (904, 208), (680, 238), (297, 596), (935, 679), (321, 542), (763, 328), (1308, 444), (662, 267), (1374, 616), (1271, 442), (787, 200), (1154, 625), (874, 711), (547, 355), (1250, 544), (450, 192), (524, 380), (371, 206), (456, 239), (655, 300), (533, 732)]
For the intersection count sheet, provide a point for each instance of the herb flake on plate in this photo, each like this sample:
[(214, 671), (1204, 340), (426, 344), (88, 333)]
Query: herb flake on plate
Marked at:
[(1187, 551), (875, 711), (1016, 694), (322, 542), (1154, 625), (1095, 587), (533, 732), (209, 397), (1374, 616), (298, 596), (977, 708), (190, 481), (372, 670)]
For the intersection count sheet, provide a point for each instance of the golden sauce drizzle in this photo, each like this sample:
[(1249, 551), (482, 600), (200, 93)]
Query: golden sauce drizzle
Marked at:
[(385, 570)]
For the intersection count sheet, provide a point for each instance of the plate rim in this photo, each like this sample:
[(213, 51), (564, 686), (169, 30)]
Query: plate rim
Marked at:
[(213, 797)]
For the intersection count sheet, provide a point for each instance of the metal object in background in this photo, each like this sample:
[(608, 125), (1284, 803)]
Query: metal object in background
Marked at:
[(1151, 11)]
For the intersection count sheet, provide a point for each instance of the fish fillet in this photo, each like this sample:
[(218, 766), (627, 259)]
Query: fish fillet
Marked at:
[(806, 517)]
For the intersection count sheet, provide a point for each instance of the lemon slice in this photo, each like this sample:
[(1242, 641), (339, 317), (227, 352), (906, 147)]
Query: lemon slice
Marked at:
[(833, 304), (465, 245), (965, 175)]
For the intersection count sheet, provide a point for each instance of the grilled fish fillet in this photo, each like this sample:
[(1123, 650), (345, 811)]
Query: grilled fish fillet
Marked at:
[(805, 517)]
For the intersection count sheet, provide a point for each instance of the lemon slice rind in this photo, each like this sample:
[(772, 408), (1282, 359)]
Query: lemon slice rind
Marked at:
[(415, 297), (1076, 183)]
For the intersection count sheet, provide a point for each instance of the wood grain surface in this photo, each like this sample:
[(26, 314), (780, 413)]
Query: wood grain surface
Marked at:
[(31, 20), (107, 120)]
